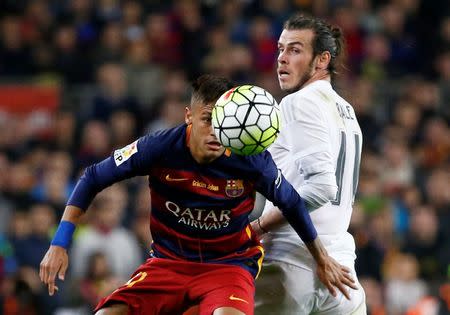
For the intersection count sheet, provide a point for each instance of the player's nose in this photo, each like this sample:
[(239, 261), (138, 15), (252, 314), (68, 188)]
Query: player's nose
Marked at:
[(211, 131), (282, 59)]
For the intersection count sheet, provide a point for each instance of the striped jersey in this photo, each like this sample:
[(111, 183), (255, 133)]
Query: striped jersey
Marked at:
[(199, 212)]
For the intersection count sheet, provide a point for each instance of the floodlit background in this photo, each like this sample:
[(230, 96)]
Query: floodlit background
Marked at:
[(80, 78)]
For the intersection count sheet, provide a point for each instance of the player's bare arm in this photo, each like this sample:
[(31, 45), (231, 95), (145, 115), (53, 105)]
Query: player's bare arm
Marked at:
[(330, 272), (56, 260), (270, 220)]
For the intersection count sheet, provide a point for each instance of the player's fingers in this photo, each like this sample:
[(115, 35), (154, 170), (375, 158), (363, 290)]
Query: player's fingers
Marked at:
[(349, 283), (62, 270), (51, 287), (343, 290), (345, 269), (45, 273), (41, 272), (50, 280), (349, 276), (331, 289)]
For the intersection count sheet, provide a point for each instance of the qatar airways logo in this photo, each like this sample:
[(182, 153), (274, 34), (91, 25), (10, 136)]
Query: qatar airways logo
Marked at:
[(203, 219)]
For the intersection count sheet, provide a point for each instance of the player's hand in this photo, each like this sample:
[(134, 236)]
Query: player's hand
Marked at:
[(333, 275), (256, 228), (55, 262)]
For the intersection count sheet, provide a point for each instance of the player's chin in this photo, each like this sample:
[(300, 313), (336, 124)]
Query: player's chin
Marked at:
[(288, 88), (284, 86)]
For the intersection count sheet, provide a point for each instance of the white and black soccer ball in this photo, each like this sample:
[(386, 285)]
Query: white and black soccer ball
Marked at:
[(246, 119)]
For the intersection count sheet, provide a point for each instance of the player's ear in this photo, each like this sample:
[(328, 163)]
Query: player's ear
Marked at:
[(187, 115), (323, 60)]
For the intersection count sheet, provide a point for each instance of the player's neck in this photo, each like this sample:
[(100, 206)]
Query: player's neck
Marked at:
[(318, 76)]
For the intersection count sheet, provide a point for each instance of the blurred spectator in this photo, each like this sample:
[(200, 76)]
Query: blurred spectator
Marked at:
[(74, 66), (104, 233), (145, 79), (95, 144), (111, 45), (113, 94), (425, 241), (131, 20), (188, 21), (369, 254), (64, 132), (263, 44), (14, 55), (33, 242), (172, 114), (55, 185), (397, 169), (374, 296), (436, 143), (377, 53), (404, 289), (123, 129), (98, 281), (438, 194), (163, 39)]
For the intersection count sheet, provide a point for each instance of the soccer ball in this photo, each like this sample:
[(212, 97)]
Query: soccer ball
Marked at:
[(246, 119)]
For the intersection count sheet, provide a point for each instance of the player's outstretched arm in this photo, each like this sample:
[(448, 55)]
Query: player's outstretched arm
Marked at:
[(330, 272), (56, 260)]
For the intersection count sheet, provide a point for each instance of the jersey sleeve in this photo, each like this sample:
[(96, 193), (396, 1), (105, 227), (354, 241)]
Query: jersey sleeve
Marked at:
[(272, 184), (134, 159), (308, 138)]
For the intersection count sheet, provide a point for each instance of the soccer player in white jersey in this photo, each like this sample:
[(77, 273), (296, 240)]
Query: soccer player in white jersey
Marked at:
[(318, 150)]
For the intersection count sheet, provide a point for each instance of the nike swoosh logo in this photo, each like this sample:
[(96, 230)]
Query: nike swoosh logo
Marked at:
[(233, 298), (170, 179)]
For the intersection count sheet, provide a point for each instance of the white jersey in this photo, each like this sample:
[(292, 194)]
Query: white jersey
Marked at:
[(319, 147)]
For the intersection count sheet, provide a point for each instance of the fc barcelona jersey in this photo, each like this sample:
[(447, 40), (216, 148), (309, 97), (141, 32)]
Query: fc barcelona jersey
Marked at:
[(199, 212)]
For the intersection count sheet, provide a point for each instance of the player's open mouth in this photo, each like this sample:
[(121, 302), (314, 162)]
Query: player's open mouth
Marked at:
[(282, 73), (214, 145)]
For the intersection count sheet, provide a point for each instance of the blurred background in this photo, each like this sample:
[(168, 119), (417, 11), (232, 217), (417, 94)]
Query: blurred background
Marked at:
[(81, 78)]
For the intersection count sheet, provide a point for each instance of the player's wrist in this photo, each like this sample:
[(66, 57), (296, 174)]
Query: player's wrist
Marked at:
[(263, 230), (318, 251), (63, 235)]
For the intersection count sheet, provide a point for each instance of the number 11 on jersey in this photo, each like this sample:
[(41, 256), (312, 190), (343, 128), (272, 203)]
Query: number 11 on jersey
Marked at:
[(341, 166)]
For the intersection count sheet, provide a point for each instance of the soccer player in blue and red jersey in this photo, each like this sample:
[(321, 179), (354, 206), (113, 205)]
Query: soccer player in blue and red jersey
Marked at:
[(204, 251)]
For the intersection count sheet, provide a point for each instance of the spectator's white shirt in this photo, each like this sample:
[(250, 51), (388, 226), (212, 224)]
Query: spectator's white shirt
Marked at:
[(119, 245), (318, 151)]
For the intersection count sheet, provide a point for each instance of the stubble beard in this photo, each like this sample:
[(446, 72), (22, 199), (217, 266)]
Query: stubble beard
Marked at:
[(305, 78)]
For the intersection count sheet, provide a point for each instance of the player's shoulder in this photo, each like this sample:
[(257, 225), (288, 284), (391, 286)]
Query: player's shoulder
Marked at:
[(165, 137), (259, 163), (311, 103), (312, 94)]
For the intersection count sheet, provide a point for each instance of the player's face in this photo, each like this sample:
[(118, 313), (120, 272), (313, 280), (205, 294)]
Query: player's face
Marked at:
[(295, 59), (203, 143)]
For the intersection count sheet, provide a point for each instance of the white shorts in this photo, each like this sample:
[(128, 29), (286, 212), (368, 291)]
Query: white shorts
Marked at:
[(284, 289)]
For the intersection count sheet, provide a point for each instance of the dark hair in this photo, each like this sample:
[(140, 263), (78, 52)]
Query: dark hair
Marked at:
[(327, 37), (208, 88)]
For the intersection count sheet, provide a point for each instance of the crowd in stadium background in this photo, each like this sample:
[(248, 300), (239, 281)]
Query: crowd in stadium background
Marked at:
[(119, 69)]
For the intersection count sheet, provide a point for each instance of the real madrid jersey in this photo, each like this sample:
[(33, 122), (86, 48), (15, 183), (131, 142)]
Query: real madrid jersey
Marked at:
[(319, 147), (199, 212)]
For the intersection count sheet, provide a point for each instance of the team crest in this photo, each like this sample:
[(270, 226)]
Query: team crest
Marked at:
[(234, 188)]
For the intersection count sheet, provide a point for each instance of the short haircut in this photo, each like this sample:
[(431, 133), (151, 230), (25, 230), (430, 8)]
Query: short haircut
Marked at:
[(208, 88), (326, 37)]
